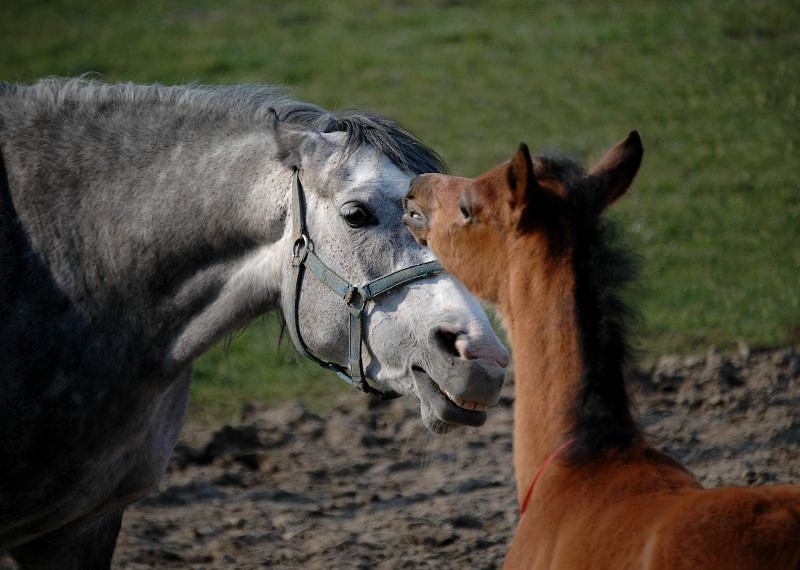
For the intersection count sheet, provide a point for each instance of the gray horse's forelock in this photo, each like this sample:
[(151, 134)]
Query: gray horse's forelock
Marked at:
[(251, 103), (363, 127)]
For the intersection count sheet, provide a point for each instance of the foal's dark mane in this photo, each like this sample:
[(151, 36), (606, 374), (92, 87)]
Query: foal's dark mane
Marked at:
[(248, 104), (603, 269)]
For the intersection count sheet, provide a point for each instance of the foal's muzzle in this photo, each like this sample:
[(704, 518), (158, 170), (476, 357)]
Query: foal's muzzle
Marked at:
[(415, 217)]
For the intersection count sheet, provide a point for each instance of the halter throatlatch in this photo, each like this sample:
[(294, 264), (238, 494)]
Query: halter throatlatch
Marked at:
[(303, 257)]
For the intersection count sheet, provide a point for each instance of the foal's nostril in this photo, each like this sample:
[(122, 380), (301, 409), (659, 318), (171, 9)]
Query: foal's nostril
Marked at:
[(414, 218), (409, 195), (409, 204)]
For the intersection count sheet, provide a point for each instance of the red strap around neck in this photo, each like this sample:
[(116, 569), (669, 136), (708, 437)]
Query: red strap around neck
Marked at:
[(550, 458)]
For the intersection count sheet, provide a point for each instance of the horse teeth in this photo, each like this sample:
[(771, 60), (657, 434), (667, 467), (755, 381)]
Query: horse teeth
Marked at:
[(467, 405)]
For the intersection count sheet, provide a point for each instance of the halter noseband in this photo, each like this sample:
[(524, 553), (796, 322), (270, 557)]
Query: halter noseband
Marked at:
[(303, 257)]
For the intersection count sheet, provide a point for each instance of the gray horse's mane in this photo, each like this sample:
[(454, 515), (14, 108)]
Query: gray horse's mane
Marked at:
[(249, 103)]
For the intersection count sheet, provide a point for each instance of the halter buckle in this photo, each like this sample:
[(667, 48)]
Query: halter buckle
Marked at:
[(355, 299)]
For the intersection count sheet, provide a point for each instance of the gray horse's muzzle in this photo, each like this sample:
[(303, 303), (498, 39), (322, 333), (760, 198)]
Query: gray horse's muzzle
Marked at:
[(477, 385), (464, 386)]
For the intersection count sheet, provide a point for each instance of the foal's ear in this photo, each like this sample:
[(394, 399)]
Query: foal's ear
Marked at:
[(532, 183), (617, 169), (520, 174), (292, 143)]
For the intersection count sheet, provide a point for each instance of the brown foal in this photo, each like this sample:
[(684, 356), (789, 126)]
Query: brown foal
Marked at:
[(529, 236)]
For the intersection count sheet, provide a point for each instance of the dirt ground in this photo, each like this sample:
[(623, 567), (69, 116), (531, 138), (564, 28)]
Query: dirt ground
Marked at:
[(366, 486)]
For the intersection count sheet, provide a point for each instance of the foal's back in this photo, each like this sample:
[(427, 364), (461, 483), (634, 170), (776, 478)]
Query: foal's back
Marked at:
[(640, 509), (732, 528)]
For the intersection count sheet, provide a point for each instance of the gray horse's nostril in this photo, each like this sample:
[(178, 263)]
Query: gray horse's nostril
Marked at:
[(445, 338), (452, 340), (455, 342)]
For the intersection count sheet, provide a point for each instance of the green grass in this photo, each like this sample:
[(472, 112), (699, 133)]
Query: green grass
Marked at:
[(255, 366), (711, 85)]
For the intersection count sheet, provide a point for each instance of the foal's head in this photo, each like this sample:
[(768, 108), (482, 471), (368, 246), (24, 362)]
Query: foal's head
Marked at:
[(536, 208), (528, 235)]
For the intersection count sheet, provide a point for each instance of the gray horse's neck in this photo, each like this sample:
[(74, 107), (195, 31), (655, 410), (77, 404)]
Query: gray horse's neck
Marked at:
[(160, 232)]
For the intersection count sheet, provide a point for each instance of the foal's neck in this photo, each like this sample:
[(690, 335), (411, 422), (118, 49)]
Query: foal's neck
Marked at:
[(567, 331), (540, 314)]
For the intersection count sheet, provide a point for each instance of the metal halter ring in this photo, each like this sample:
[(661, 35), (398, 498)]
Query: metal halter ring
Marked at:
[(300, 249)]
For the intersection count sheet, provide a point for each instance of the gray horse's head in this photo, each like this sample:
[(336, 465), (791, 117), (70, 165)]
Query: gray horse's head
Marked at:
[(429, 339)]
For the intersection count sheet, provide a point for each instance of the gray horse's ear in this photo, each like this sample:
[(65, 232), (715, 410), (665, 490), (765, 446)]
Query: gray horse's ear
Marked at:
[(293, 143), (272, 118), (617, 169)]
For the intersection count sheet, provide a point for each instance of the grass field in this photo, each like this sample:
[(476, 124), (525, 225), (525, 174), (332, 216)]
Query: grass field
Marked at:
[(711, 85)]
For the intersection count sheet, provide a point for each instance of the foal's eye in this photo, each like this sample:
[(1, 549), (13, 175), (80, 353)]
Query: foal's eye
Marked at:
[(462, 207), (357, 215)]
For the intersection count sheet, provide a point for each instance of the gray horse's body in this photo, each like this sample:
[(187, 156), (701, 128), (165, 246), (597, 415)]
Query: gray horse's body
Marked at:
[(138, 226)]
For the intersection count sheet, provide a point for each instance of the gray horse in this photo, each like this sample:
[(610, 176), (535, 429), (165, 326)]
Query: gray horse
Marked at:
[(139, 225)]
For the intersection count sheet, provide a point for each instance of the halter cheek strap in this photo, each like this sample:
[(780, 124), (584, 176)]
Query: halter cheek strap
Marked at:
[(356, 298), (550, 458)]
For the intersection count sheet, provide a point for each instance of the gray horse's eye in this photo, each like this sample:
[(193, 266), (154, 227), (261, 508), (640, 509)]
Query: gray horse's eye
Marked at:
[(356, 215)]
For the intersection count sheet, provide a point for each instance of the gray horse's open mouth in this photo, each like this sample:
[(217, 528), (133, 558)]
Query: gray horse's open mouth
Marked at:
[(444, 405)]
